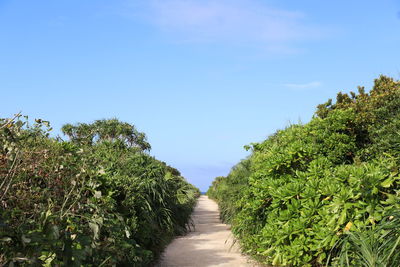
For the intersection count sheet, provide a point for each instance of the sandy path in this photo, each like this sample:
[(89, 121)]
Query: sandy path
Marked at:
[(210, 244)]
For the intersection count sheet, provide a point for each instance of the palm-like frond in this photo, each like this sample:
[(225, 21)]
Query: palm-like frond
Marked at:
[(371, 246)]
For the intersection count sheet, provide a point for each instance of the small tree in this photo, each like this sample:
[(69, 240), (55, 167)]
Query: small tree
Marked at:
[(106, 130)]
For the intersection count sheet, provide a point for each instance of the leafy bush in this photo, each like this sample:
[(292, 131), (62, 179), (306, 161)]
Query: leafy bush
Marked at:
[(308, 183), (227, 190), (97, 200)]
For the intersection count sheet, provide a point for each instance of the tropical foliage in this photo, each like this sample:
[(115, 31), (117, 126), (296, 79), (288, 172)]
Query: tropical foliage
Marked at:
[(98, 199), (314, 192)]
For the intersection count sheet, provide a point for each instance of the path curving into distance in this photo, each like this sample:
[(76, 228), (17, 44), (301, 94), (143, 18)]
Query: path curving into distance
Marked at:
[(209, 244)]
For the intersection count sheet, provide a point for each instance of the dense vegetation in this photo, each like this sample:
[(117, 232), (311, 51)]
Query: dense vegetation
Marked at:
[(326, 192), (98, 199)]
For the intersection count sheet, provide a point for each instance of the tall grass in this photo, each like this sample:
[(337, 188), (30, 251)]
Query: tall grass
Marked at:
[(370, 246)]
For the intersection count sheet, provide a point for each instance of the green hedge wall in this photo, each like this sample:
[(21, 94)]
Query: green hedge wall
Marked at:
[(98, 199), (307, 187)]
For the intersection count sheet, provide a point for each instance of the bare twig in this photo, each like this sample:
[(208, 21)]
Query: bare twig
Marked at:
[(10, 120), (66, 200), (9, 175), (74, 202)]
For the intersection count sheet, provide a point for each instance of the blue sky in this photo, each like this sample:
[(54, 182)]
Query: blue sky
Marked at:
[(202, 78)]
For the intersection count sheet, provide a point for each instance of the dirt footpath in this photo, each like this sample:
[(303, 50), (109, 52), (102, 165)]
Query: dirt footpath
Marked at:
[(209, 244)]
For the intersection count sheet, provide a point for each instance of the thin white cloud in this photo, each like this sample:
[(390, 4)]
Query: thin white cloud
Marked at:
[(237, 21), (313, 84)]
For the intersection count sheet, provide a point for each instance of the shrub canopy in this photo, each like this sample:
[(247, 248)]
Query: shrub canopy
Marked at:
[(97, 200), (305, 187)]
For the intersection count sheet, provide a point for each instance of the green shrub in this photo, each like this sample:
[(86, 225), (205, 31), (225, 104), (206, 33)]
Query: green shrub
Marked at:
[(228, 190), (98, 200), (309, 183)]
